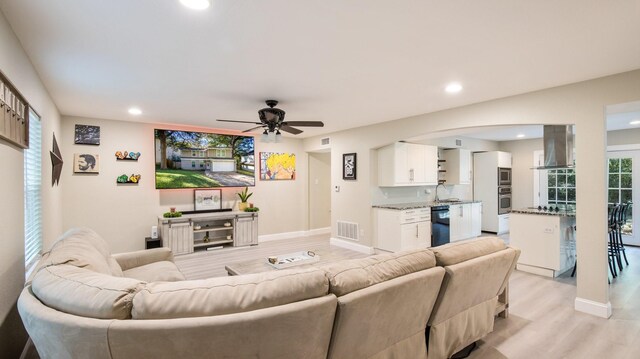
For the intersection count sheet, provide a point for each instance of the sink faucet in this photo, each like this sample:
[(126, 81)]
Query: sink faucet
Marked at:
[(439, 184)]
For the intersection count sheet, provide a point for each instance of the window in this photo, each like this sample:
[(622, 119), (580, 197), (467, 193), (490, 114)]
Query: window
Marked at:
[(621, 187), (193, 164), (561, 186), (32, 192)]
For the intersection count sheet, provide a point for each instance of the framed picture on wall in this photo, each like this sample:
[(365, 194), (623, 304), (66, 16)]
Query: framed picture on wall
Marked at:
[(349, 162), (207, 199), (86, 163), (87, 135)]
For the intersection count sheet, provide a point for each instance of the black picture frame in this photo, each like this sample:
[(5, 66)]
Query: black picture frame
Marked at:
[(349, 166), (87, 135)]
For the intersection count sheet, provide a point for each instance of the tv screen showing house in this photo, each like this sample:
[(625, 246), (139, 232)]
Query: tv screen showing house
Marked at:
[(203, 160)]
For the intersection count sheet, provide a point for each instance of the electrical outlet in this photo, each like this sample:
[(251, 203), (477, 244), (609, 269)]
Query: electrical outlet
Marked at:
[(548, 230)]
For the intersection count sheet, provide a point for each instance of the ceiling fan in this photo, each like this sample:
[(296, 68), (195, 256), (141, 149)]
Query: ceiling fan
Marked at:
[(272, 120)]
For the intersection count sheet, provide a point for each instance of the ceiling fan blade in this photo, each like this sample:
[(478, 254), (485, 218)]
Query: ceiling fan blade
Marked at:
[(290, 129), (251, 129), (304, 123), (255, 123)]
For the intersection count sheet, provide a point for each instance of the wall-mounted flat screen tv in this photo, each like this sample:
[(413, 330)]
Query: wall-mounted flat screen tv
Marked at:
[(187, 159)]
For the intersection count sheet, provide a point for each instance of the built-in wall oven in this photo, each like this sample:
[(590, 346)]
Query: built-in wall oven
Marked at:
[(504, 199), (504, 176)]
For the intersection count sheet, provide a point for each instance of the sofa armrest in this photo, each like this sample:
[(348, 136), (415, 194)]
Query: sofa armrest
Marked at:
[(139, 258)]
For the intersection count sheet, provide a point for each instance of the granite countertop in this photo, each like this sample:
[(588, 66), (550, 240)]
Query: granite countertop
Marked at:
[(414, 205), (531, 210)]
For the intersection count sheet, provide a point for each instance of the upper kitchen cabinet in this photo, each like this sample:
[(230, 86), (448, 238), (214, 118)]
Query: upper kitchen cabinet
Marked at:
[(458, 166), (407, 164)]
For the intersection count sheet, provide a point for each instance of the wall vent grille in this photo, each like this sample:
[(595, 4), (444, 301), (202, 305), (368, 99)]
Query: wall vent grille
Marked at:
[(458, 142), (325, 141), (348, 230)]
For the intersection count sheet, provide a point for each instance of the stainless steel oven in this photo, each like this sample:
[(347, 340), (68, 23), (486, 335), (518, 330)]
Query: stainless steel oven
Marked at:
[(504, 176), (504, 199)]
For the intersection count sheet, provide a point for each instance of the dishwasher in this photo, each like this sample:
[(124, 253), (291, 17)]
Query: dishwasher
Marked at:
[(439, 225)]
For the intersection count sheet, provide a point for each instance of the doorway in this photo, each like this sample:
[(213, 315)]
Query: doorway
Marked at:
[(319, 190), (623, 183)]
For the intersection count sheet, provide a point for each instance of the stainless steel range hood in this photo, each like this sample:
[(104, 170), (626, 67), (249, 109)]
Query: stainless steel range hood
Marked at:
[(558, 147)]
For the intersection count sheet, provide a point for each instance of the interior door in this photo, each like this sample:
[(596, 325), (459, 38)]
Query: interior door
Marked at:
[(623, 186)]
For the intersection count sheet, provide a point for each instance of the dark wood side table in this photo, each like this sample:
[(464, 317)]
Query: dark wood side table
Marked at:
[(152, 243)]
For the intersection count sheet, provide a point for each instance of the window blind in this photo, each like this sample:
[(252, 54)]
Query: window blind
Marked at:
[(32, 192)]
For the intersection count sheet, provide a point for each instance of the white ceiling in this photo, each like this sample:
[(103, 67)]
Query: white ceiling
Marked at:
[(347, 63)]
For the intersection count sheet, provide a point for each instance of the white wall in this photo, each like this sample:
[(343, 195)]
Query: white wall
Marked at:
[(319, 190), (583, 103), (124, 214), (15, 64)]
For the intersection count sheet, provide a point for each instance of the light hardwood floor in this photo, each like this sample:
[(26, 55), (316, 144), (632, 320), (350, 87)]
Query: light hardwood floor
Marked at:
[(542, 321)]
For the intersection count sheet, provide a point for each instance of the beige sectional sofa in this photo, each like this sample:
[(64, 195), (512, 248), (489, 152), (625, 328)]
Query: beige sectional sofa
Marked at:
[(83, 302)]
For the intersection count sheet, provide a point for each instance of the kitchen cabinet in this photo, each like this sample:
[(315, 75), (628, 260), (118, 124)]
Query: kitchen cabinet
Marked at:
[(547, 243), (398, 230), (457, 163), (407, 164), (476, 219), (192, 232), (464, 221)]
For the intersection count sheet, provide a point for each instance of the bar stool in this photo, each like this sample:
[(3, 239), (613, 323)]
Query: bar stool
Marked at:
[(621, 220), (612, 247)]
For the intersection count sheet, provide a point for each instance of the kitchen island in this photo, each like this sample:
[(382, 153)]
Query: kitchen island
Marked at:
[(546, 239)]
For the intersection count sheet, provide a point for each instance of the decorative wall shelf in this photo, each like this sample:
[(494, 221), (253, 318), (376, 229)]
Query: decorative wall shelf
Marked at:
[(14, 114)]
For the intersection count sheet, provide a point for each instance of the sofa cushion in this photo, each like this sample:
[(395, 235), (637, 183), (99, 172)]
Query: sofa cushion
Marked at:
[(163, 271), (351, 275), (86, 293), (226, 295), (454, 253), (81, 247)]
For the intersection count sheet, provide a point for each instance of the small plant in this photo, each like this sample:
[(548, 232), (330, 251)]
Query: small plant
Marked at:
[(244, 195), (172, 214), (252, 209)]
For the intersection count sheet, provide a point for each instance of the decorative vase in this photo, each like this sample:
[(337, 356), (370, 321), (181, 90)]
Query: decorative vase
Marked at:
[(242, 206)]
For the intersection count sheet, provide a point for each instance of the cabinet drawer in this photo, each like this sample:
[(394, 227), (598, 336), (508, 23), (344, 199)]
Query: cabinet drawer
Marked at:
[(415, 215)]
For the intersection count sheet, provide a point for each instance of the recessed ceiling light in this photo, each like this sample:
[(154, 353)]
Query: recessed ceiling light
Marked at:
[(521, 135), (453, 87), (635, 122), (196, 4), (135, 111)]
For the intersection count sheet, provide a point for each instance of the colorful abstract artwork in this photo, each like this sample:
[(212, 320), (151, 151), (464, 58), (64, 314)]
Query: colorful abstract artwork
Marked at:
[(277, 166)]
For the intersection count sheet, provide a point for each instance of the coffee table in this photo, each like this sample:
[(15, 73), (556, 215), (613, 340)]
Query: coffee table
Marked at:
[(261, 265)]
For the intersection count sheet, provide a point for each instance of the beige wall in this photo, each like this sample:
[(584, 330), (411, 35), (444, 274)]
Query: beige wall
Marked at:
[(319, 190), (522, 174), (584, 103), (124, 214), (15, 64), (623, 137)]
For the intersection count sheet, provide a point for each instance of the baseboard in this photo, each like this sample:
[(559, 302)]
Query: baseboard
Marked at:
[(602, 310), (279, 236), (351, 245), (314, 232), (288, 235)]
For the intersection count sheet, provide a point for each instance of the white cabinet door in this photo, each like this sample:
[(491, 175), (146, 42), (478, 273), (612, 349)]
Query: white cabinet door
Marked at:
[(416, 160), (246, 231), (407, 164), (409, 236), (431, 165), (467, 231), (455, 222), (476, 219), (178, 237), (504, 159), (458, 166), (424, 234)]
